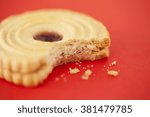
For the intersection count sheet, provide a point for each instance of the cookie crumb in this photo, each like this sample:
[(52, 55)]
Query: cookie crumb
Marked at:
[(86, 74), (73, 70), (113, 63), (112, 72)]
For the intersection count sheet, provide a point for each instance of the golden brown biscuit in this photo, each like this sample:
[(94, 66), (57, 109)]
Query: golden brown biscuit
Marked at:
[(33, 43)]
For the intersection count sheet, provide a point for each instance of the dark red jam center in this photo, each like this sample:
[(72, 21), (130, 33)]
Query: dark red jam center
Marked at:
[(48, 36)]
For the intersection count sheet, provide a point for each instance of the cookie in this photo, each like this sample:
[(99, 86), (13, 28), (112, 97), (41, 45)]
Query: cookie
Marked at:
[(33, 43)]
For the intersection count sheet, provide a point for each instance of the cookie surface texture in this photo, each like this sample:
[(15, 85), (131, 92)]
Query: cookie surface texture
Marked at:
[(33, 43)]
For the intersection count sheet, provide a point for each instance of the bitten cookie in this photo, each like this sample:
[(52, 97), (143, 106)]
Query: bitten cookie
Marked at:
[(33, 43)]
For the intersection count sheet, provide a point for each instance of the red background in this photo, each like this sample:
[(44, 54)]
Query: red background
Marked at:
[(128, 22)]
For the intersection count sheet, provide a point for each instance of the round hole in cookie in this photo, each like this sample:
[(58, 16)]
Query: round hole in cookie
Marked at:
[(48, 36)]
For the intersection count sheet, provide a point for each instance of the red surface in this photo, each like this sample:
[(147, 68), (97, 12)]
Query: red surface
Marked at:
[(129, 24)]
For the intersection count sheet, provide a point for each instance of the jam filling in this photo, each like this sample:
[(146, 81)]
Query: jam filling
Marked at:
[(48, 36)]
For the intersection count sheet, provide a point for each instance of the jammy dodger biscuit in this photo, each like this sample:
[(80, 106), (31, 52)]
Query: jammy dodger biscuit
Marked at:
[(33, 43)]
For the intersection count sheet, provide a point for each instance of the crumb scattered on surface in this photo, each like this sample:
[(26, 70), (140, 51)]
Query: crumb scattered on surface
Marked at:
[(73, 70), (113, 63), (86, 74), (112, 72)]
